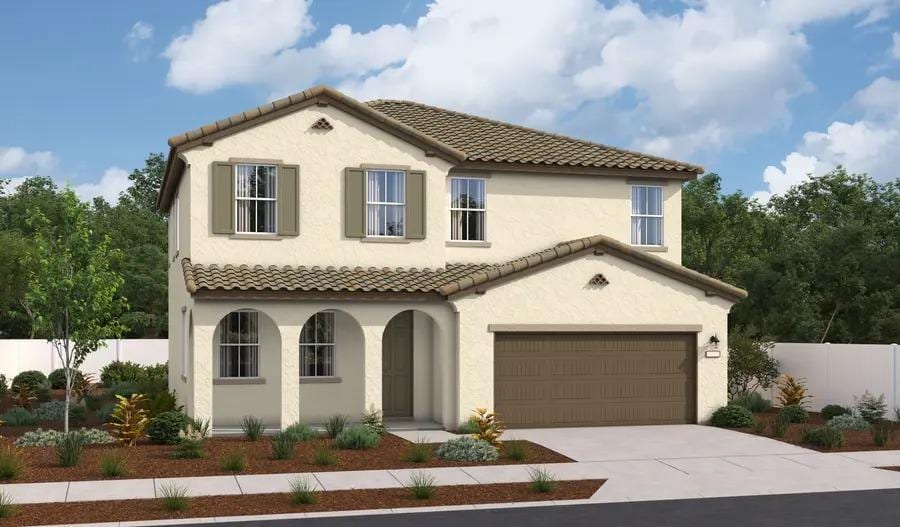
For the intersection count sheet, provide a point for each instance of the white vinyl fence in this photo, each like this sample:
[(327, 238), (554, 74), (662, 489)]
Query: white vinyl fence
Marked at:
[(20, 355), (835, 373)]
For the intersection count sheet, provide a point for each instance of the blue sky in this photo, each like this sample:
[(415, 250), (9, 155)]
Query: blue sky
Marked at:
[(763, 93)]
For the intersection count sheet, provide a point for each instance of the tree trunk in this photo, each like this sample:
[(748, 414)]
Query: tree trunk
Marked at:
[(68, 365), (828, 326)]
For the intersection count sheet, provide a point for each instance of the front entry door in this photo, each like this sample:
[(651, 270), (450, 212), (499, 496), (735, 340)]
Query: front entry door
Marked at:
[(397, 366)]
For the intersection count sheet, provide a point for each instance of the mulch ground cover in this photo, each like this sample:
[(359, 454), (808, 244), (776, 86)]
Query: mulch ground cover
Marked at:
[(148, 461), (130, 510), (854, 440)]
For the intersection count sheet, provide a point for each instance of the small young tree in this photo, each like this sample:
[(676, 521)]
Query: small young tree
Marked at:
[(750, 366), (73, 291)]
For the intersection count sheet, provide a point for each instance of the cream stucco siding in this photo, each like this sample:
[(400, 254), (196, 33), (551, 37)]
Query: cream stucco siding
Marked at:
[(529, 212), (560, 294)]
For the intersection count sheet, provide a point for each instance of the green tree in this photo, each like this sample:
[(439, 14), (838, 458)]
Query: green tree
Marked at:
[(73, 299)]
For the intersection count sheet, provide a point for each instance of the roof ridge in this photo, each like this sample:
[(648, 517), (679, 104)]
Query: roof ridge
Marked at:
[(507, 124)]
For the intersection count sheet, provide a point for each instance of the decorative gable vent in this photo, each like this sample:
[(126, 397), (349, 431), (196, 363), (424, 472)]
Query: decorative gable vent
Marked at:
[(322, 124), (598, 280)]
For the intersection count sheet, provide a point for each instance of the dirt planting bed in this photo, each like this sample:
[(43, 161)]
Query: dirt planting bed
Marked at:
[(854, 440), (149, 461), (129, 510)]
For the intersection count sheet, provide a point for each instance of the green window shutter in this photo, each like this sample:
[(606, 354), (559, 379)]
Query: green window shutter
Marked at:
[(415, 205), (354, 203), (223, 198), (288, 200)]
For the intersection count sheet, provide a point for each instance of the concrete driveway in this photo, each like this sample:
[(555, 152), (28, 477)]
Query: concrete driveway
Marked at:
[(616, 443)]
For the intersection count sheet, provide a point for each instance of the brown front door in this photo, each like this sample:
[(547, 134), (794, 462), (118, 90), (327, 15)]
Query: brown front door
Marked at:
[(397, 366), (584, 379)]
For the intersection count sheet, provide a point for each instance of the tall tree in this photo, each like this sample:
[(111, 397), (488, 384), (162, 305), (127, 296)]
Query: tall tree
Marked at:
[(74, 299)]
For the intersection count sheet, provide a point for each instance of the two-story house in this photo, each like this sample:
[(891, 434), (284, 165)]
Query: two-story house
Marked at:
[(329, 255)]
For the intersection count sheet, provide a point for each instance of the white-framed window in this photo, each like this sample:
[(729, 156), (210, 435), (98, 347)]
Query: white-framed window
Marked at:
[(386, 203), (317, 346), (239, 344), (255, 198), (467, 209), (646, 215)]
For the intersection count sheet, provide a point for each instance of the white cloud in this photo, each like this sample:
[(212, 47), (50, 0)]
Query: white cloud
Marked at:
[(137, 41), (111, 184), (870, 144), (235, 43), (15, 160), (681, 82), (895, 51)]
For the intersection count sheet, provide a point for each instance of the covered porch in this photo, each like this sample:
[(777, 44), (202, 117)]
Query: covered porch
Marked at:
[(287, 361)]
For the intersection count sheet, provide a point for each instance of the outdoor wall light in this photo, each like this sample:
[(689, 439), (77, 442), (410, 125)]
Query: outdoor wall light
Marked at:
[(712, 348)]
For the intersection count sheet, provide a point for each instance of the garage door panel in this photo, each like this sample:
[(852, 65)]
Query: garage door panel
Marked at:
[(594, 379)]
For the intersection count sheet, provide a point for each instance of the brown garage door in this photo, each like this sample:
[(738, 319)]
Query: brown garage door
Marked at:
[(584, 379)]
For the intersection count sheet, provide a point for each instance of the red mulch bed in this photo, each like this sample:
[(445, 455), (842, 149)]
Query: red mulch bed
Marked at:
[(129, 510), (152, 461), (854, 440)]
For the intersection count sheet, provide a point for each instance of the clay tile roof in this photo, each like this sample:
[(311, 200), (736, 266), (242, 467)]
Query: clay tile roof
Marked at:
[(495, 141), (446, 281)]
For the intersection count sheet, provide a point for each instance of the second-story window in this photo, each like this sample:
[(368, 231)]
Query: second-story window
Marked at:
[(386, 203), (255, 187), (467, 209), (646, 215)]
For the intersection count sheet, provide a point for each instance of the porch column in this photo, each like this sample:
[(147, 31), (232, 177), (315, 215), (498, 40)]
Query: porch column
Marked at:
[(290, 375), (202, 366), (373, 336)]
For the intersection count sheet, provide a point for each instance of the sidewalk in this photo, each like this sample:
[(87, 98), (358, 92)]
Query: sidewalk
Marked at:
[(628, 480)]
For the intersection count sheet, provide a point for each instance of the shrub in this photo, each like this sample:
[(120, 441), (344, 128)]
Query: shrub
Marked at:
[(732, 417), (234, 460), (421, 485), (4, 386), (303, 491), (69, 448), (162, 402), (780, 425), (323, 456), (190, 443), (156, 373), (164, 428), (752, 401), (794, 413), (750, 366), (83, 385), (129, 419), (283, 446), (541, 480), (50, 411), (792, 391), (57, 378), (23, 395), (469, 427), (335, 425), (869, 407), (39, 437), (759, 426), (357, 437), (33, 379), (119, 371), (487, 426), (881, 432), (11, 462), (419, 452), (201, 427), (94, 401), (7, 505), (823, 436), (77, 413), (467, 448), (848, 422), (18, 416), (516, 450), (833, 410), (373, 421), (173, 497), (124, 389), (105, 412), (253, 428), (113, 464), (300, 432)]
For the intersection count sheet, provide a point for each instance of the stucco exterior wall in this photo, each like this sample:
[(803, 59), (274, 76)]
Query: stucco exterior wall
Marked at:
[(560, 294), (529, 212), (179, 299)]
